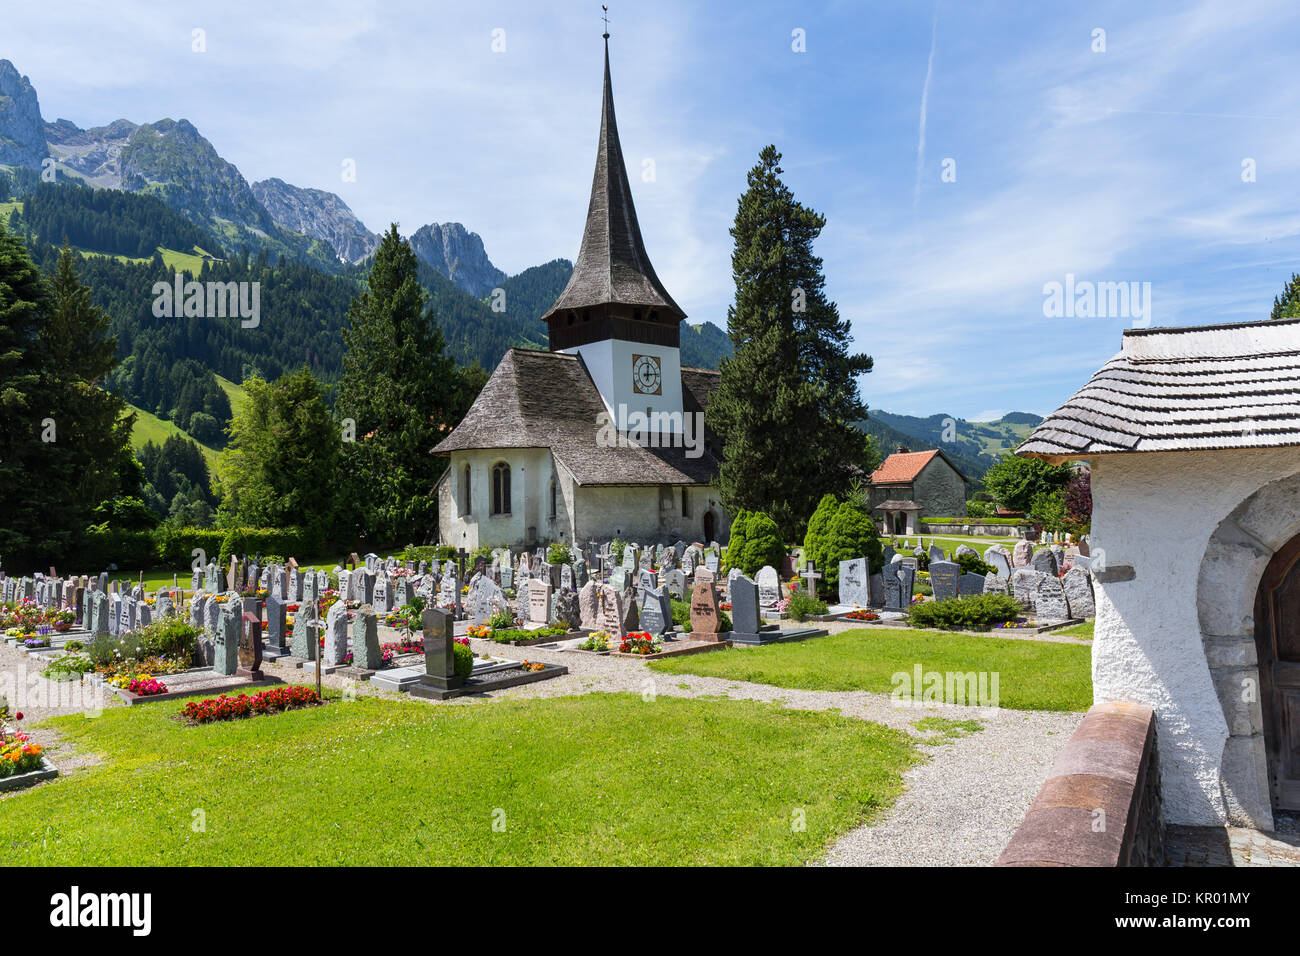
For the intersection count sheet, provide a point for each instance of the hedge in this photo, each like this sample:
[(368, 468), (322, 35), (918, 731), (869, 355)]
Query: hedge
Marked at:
[(1006, 521)]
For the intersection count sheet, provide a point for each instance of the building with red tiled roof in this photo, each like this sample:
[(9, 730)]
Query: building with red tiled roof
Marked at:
[(909, 484)]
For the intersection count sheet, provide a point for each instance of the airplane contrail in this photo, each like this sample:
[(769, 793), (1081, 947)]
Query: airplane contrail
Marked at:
[(925, 97)]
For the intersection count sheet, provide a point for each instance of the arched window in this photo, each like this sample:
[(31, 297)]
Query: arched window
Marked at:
[(464, 491), (501, 488), (553, 499)]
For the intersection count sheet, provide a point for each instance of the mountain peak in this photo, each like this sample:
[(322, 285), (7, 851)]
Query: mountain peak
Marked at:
[(22, 131), (459, 255)]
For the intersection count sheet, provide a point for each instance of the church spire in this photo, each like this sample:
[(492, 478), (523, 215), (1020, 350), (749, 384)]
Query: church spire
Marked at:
[(612, 277)]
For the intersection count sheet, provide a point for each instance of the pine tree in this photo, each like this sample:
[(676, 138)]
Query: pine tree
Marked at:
[(788, 398), (400, 389), (93, 424), (1287, 305)]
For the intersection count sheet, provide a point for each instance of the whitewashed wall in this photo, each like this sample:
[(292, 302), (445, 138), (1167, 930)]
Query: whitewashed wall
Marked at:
[(1157, 512)]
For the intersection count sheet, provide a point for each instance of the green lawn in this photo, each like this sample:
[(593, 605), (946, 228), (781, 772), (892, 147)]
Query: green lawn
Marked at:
[(235, 393), (602, 779), (1032, 675), (155, 578), (1079, 630)]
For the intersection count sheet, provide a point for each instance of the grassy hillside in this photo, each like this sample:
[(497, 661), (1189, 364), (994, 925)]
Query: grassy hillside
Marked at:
[(235, 393), (151, 428), (972, 446)]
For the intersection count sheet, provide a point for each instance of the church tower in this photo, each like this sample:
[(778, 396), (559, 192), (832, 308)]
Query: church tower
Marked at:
[(615, 313)]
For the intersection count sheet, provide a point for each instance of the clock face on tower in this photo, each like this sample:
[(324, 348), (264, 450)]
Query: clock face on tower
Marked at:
[(647, 376)]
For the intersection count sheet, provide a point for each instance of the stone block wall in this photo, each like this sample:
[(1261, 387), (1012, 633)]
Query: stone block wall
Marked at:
[(1101, 803)]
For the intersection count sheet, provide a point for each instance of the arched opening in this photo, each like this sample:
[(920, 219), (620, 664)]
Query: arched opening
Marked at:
[(710, 526), (1277, 646), (501, 488)]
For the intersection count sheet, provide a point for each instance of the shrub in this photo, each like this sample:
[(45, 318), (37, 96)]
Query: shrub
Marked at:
[(755, 542), (841, 535), (973, 564), (971, 613), (559, 553), (980, 509), (464, 660), (803, 606), (169, 637)]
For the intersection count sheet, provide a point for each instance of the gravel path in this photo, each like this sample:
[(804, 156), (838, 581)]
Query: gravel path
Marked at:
[(960, 806)]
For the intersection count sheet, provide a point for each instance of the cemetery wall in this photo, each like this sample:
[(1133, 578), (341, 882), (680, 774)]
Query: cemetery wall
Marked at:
[(1108, 773), (1157, 514)]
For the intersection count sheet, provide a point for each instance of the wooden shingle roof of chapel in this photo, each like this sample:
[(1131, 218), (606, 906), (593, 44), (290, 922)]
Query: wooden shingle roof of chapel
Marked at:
[(1200, 388)]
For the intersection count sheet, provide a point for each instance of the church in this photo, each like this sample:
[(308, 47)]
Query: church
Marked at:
[(601, 437)]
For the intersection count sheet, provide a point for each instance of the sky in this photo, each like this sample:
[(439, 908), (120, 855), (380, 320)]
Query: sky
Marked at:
[(966, 155)]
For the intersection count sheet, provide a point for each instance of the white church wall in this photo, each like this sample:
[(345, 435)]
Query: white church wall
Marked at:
[(1157, 513), (530, 475)]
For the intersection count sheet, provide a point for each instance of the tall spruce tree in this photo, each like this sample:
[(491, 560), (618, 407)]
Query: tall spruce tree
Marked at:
[(789, 396), (400, 390), (1287, 305), (281, 466)]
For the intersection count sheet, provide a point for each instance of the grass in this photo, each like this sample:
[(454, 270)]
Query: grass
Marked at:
[(234, 393), (151, 428), (1032, 675), (602, 779), (155, 578), (1078, 630), (945, 732), (6, 209)]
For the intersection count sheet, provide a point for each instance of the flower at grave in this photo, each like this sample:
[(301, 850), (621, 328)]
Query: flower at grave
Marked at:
[(461, 640), (480, 631), (533, 665)]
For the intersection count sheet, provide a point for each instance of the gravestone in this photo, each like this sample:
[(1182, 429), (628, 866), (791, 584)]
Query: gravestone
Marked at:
[(999, 558), (1020, 555), (675, 582), (746, 622), (507, 577), (876, 589), (619, 578), (1050, 605), (964, 549), (250, 640), (936, 554), (565, 610), (303, 642), (227, 636), (611, 611), (1078, 593), (566, 577), (336, 634), (539, 601), (899, 581), (365, 639), (345, 584), (439, 654), (646, 580), (163, 604), (276, 618), (485, 600), (944, 578), (970, 584), (631, 615), (706, 620), (711, 561), (580, 574), (383, 602), (769, 585), (589, 604), (98, 613), (993, 584), (1044, 561), (656, 612), (1024, 586), (854, 588)]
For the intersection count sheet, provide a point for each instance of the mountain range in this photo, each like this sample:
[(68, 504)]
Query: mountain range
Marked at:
[(170, 159)]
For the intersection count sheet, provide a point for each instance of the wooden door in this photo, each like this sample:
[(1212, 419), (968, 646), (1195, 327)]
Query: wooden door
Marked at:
[(1277, 639)]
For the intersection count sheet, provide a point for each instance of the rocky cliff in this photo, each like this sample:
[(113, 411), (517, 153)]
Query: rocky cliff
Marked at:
[(459, 255), (319, 214), (22, 131)]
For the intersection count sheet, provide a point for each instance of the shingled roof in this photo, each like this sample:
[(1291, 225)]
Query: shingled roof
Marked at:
[(548, 400), (612, 264), (1183, 389)]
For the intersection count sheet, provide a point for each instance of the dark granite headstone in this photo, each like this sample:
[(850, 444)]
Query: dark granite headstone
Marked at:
[(944, 579), (439, 652)]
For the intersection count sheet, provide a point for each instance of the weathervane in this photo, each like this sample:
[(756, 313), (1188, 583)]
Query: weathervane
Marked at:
[(605, 16)]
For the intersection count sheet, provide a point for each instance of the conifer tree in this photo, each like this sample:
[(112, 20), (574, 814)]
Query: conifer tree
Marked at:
[(400, 390), (1287, 305), (788, 398)]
